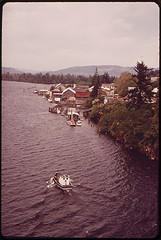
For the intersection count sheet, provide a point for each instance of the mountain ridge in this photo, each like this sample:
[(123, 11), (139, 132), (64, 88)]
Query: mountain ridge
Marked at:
[(113, 70)]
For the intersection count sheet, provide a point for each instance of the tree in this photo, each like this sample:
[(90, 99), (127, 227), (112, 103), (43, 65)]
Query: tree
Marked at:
[(106, 78), (96, 83), (52, 88), (123, 82), (142, 93)]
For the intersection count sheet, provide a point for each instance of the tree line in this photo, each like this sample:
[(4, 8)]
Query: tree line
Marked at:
[(54, 79)]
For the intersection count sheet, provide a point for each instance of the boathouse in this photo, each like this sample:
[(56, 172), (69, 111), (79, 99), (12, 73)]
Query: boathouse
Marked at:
[(68, 94)]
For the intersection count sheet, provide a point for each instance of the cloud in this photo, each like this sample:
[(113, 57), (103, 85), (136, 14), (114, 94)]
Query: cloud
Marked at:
[(59, 35)]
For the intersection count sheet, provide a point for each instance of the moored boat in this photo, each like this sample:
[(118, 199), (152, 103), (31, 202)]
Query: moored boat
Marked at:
[(63, 181), (50, 100), (79, 123), (71, 123)]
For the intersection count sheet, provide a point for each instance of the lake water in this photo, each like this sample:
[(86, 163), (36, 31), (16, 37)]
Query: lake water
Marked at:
[(115, 192)]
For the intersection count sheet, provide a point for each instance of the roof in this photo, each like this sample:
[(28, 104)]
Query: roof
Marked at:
[(53, 105), (81, 88), (57, 93), (82, 94), (69, 90), (56, 90), (107, 86), (77, 89)]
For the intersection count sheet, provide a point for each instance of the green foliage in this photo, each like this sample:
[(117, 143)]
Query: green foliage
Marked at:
[(142, 93), (96, 113), (123, 82), (138, 129), (88, 103), (47, 78), (96, 83), (52, 88)]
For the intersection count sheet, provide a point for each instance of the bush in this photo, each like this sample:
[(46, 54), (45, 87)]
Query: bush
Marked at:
[(137, 128)]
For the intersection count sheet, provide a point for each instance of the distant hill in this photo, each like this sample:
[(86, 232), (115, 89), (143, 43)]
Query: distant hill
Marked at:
[(112, 70), (10, 70), (15, 70)]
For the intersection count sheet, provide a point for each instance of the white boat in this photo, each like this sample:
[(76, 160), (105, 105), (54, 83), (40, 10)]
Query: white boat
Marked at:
[(71, 123), (63, 181), (79, 123), (50, 100)]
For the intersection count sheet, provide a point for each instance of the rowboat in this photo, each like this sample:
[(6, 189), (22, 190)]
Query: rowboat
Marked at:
[(63, 181)]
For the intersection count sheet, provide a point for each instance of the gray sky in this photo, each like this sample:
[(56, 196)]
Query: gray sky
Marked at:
[(51, 36)]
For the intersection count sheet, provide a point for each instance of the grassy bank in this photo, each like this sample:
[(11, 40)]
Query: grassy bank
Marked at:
[(136, 128)]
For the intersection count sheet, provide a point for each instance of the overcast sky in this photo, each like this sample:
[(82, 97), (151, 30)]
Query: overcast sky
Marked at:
[(52, 36)]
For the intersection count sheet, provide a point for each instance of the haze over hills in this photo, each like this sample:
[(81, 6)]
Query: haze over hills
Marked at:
[(16, 70), (112, 70)]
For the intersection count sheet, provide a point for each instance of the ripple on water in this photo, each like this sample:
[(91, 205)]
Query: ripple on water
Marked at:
[(115, 191)]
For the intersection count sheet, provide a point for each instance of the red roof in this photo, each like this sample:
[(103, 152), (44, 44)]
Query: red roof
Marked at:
[(82, 94)]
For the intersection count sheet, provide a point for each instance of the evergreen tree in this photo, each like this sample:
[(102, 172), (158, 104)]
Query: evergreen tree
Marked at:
[(96, 83), (142, 93), (106, 78)]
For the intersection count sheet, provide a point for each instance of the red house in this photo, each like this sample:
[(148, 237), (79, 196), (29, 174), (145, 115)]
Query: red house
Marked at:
[(82, 95)]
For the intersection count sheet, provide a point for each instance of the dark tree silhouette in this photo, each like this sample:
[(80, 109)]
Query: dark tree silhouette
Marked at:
[(142, 93), (96, 84)]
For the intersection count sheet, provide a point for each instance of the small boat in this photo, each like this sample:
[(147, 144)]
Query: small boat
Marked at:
[(63, 181), (79, 123), (71, 123), (50, 100)]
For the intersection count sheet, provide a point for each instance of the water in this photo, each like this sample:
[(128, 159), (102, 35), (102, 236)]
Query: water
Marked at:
[(115, 191)]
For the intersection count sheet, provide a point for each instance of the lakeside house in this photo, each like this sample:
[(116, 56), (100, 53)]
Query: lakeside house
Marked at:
[(68, 94), (108, 89), (78, 95), (81, 98)]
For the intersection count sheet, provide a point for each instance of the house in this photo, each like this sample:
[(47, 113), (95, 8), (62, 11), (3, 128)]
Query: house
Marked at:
[(81, 98), (68, 94), (82, 95), (108, 89), (81, 88), (57, 96)]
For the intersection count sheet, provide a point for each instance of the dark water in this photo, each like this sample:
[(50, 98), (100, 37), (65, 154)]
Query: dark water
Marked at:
[(115, 191)]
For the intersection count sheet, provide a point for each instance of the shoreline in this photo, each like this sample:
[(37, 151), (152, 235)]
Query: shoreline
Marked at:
[(127, 131)]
